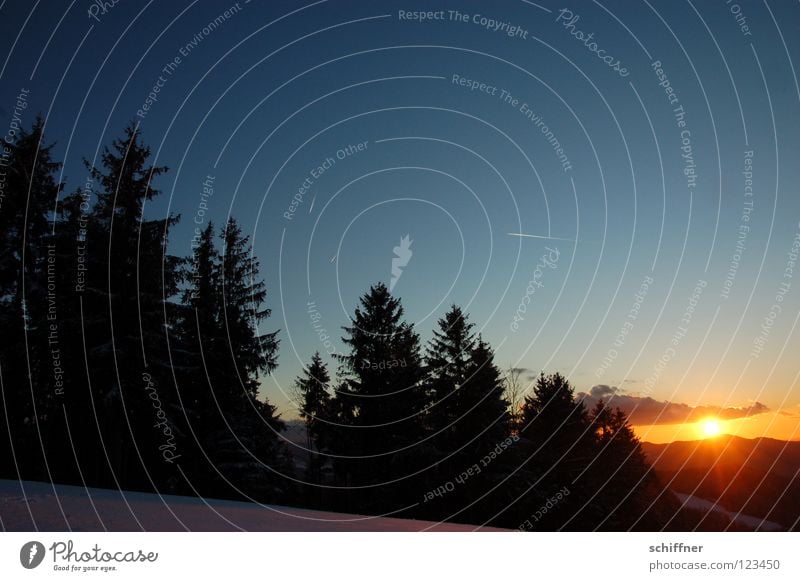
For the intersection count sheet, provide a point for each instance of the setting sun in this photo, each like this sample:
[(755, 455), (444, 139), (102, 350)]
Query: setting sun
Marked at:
[(710, 428)]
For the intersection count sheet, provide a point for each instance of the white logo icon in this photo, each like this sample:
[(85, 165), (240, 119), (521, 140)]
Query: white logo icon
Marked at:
[(402, 254)]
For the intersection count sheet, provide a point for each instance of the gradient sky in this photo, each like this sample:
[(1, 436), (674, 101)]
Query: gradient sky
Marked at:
[(269, 94)]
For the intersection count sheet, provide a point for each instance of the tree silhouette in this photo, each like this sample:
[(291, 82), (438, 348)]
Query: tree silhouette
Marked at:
[(130, 279), (315, 410), (238, 433), (448, 367), (28, 288), (381, 395), (514, 395), (627, 493), (557, 447), (483, 411), (134, 368)]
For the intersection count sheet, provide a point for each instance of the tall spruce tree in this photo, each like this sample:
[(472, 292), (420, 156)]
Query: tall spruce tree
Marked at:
[(125, 307), (557, 448), (483, 408), (243, 439), (627, 493), (28, 291), (243, 297), (312, 388), (315, 410), (199, 329), (381, 393), (448, 366), (467, 414)]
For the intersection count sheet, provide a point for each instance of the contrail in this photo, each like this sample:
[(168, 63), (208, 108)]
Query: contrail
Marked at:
[(311, 206), (521, 235)]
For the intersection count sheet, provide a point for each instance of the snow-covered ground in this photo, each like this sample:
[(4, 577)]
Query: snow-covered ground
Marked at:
[(751, 522), (27, 506)]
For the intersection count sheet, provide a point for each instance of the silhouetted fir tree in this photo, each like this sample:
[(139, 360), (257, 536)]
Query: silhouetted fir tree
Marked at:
[(381, 390), (627, 493), (467, 414), (244, 444), (484, 435), (199, 332), (557, 446), (124, 309), (312, 387), (341, 441), (203, 292), (27, 265), (554, 422), (447, 368), (483, 411), (85, 457), (243, 310), (30, 197), (198, 347), (316, 411), (447, 364)]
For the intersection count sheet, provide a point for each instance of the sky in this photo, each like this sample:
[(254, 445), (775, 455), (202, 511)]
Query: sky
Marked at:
[(609, 189)]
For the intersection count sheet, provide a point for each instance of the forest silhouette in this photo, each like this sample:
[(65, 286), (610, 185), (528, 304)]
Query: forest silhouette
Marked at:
[(126, 367)]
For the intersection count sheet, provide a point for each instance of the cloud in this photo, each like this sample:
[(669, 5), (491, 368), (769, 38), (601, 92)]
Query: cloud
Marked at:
[(792, 412), (602, 391), (647, 411)]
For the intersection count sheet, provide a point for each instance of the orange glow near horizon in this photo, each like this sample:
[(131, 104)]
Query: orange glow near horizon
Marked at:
[(710, 427), (769, 425)]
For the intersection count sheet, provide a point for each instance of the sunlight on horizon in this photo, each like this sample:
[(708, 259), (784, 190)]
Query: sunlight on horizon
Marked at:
[(710, 427), (777, 425)]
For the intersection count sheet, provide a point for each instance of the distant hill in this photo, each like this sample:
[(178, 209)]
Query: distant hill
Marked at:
[(759, 477)]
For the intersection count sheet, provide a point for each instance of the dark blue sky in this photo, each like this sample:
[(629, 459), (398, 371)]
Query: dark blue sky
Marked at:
[(595, 159)]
